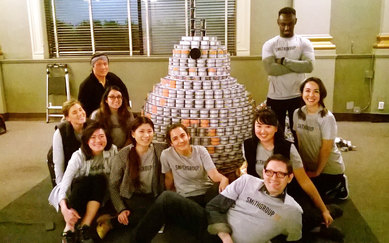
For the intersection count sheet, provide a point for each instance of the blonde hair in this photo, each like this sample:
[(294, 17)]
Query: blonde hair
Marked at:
[(69, 104)]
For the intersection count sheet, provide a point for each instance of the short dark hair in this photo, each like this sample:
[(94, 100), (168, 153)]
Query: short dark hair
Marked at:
[(174, 126), (287, 10), (87, 133), (265, 115), (281, 158)]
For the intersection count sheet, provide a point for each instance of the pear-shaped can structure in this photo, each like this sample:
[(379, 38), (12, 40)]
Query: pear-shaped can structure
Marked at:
[(200, 93)]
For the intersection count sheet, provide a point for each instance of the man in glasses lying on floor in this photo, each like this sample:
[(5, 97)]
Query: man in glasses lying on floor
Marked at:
[(248, 210)]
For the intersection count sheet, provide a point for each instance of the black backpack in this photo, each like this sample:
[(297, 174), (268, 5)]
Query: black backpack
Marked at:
[(3, 128)]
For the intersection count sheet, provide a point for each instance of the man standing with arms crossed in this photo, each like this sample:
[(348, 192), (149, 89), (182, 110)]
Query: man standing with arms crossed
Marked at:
[(286, 57)]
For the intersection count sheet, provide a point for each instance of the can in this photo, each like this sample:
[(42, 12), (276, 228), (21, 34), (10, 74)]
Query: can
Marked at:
[(204, 123)]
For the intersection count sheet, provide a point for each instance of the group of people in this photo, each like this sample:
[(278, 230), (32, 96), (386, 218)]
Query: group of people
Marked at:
[(110, 174)]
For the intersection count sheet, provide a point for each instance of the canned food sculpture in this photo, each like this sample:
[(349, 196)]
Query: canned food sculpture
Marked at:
[(200, 93)]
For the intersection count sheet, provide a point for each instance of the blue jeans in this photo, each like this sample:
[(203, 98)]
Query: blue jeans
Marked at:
[(173, 209)]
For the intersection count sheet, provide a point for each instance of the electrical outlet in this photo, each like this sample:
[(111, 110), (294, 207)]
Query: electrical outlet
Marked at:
[(350, 105), (381, 105), (369, 73)]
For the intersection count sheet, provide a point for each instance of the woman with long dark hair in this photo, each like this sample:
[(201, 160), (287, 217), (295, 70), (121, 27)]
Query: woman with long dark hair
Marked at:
[(316, 131), (115, 114), (136, 178)]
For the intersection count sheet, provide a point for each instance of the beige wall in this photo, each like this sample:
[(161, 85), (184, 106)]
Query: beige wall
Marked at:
[(358, 21), (25, 81), (14, 30), (355, 25)]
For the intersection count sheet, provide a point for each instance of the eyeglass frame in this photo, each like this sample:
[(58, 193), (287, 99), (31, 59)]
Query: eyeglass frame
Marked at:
[(279, 174), (112, 97)]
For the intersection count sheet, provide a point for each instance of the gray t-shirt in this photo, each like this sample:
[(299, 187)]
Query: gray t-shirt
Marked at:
[(189, 172), (257, 217), (146, 170), (311, 132), (286, 86), (263, 154)]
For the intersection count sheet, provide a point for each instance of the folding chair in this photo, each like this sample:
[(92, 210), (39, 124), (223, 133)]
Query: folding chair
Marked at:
[(57, 89)]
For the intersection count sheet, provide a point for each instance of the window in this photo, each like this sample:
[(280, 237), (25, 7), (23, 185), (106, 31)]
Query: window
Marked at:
[(82, 27)]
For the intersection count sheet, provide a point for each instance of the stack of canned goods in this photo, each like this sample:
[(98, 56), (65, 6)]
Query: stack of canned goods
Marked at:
[(201, 94)]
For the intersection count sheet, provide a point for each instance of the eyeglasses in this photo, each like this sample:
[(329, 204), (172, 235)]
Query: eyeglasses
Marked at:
[(112, 97), (279, 174)]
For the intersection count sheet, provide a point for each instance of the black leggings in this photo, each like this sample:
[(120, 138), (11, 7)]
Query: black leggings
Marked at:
[(85, 189), (325, 183)]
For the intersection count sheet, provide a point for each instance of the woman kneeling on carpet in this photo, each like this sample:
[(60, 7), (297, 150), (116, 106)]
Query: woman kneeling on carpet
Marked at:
[(316, 131), (84, 187)]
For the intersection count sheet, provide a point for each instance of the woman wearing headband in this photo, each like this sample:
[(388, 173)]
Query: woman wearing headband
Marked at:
[(93, 87)]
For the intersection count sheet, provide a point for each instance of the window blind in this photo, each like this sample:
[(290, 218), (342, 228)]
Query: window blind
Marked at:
[(74, 30)]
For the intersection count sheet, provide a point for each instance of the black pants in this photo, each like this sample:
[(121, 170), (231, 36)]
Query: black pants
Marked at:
[(173, 209), (326, 183), (138, 205), (85, 189), (312, 216), (280, 107), (212, 192)]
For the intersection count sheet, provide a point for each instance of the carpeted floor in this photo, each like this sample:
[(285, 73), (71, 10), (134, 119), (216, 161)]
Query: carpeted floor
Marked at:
[(30, 219), (25, 213)]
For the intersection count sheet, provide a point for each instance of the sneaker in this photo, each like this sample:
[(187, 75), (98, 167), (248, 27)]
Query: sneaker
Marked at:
[(68, 237), (332, 233), (343, 190), (85, 234), (335, 210)]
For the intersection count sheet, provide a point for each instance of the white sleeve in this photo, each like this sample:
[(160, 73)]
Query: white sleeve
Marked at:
[(328, 127), (308, 50), (295, 158), (294, 226), (206, 159), (267, 49), (72, 170), (236, 187), (165, 167), (58, 156)]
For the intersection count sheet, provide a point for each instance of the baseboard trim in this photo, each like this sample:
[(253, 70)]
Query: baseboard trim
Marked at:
[(339, 116), (35, 116), (25, 116), (362, 117)]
